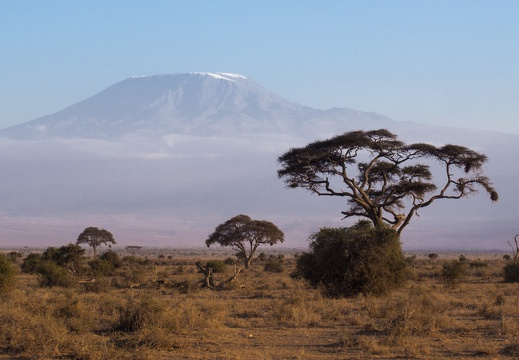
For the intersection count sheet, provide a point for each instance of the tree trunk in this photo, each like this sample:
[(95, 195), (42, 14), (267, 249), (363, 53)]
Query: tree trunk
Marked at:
[(208, 275), (247, 261), (208, 281)]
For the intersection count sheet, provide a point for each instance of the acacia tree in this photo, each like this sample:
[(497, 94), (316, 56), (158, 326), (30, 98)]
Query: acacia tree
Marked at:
[(245, 235), (384, 179), (95, 237)]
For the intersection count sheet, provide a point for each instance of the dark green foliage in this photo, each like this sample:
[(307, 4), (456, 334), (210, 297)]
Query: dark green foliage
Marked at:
[(511, 272), (230, 261), (7, 274), (56, 266), (361, 259), (100, 267), (69, 257), (50, 274), (30, 263), (218, 266), (273, 266), (111, 257), (506, 257), (454, 271), (13, 256)]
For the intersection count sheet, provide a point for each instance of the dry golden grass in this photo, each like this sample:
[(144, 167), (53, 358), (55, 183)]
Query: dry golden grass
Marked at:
[(261, 316)]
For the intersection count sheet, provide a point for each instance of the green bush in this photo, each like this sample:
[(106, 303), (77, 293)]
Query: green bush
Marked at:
[(7, 274), (273, 266), (100, 267), (69, 257), (511, 272), (30, 263), (218, 266), (230, 261), (105, 264), (112, 258), (454, 271), (13, 256), (50, 274), (361, 259)]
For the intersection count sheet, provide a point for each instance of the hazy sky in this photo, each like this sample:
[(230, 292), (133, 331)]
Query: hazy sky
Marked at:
[(440, 62)]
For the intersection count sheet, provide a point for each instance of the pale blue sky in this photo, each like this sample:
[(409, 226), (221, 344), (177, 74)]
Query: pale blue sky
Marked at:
[(440, 62)]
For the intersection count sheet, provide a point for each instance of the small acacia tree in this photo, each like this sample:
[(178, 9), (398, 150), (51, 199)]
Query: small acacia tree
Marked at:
[(95, 237), (245, 235), (383, 179)]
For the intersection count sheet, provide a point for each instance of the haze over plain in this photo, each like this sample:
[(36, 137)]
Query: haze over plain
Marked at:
[(162, 160), (434, 63)]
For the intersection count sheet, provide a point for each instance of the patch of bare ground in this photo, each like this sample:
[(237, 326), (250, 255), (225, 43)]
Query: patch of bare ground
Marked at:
[(156, 309)]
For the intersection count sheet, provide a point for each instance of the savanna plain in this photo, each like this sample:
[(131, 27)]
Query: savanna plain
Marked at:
[(152, 306)]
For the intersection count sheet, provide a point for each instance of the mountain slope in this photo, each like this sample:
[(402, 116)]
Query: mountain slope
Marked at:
[(194, 104)]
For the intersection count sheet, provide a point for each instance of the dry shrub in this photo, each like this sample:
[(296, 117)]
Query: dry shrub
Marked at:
[(510, 326), (152, 337), (417, 312), (29, 334), (195, 315), (296, 311), (146, 312), (493, 310), (139, 313)]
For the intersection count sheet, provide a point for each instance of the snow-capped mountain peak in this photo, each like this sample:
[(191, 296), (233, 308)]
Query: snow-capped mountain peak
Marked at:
[(198, 103), (222, 76)]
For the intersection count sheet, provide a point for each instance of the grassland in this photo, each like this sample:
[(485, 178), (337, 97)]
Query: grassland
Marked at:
[(261, 315)]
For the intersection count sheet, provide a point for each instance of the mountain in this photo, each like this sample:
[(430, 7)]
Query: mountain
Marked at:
[(162, 160), (199, 104)]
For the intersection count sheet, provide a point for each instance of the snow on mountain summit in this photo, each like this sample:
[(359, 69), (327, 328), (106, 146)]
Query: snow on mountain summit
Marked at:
[(223, 76)]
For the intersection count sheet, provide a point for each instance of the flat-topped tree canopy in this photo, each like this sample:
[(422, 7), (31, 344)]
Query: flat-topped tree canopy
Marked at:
[(245, 235), (383, 178), (95, 237)]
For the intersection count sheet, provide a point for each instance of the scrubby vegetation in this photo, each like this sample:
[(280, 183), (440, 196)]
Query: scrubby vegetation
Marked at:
[(7, 274), (155, 307), (351, 261)]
